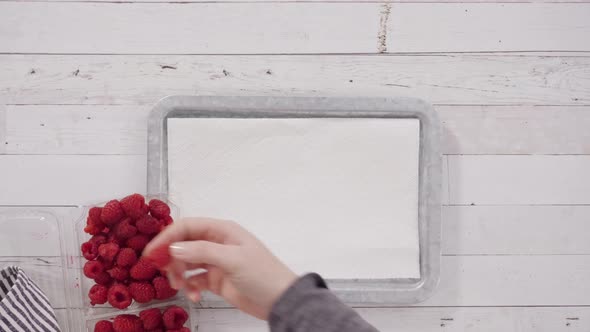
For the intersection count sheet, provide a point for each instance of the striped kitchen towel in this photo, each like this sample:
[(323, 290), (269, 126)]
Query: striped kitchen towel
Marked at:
[(23, 306)]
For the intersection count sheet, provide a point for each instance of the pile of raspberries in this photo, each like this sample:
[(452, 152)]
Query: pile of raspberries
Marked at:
[(149, 320), (120, 231)]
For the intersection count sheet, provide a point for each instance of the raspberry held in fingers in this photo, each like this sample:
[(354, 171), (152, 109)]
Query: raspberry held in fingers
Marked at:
[(160, 256)]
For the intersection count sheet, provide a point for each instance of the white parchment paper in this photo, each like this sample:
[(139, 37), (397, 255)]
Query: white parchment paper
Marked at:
[(334, 196)]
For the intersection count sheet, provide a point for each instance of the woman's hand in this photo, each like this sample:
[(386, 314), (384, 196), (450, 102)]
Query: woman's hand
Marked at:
[(239, 267)]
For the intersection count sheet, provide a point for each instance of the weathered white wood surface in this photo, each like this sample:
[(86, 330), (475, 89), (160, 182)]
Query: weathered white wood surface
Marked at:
[(515, 230), (542, 280), (507, 180), (467, 129), (218, 28), (75, 129), (472, 179), (70, 179), (515, 129), (328, 1), (518, 260), (480, 79), (546, 319), (475, 27), (434, 319), (468, 231)]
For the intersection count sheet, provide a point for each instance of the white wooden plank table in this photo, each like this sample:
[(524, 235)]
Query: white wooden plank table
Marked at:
[(510, 80)]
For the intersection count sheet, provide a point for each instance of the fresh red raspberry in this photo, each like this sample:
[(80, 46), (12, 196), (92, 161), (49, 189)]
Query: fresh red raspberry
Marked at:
[(98, 239), (143, 270), (167, 220), (138, 242), (94, 213), (119, 296), (124, 229), (103, 278), (133, 205), (174, 317), (89, 229), (160, 256), (93, 226), (112, 213), (107, 264), (142, 292), (151, 318), (112, 238), (103, 326), (119, 273), (159, 209), (182, 329), (108, 251), (163, 289), (127, 257), (92, 269), (148, 225), (98, 294), (127, 323), (159, 329), (89, 250)]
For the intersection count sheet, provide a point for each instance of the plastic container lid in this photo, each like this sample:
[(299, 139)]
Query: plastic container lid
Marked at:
[(33, 240)]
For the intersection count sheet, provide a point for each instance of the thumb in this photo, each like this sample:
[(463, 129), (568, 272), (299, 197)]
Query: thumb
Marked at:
[(205, 252)]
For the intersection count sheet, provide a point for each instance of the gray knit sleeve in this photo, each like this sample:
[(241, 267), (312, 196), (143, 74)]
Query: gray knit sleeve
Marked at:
[(308, 306)]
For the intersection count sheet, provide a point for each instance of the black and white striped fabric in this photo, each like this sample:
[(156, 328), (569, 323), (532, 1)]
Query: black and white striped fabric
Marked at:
[(23, 306)]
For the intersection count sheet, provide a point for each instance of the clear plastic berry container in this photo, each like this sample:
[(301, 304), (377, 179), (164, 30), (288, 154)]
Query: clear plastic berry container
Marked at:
[(110, 316), (45, 244), (86, 283), (90, 314)]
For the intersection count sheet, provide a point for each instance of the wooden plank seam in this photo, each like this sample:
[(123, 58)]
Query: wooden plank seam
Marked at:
[(382, 34), (3, 129)]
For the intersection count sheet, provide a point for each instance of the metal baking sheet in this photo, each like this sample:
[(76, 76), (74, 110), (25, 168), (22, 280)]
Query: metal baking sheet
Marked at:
[(363, 292)]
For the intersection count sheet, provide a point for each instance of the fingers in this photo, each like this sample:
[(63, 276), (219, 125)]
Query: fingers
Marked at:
[(206, 281), (220, 231), (175, 272), (204, 252), (213, 281), (198, 283)]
